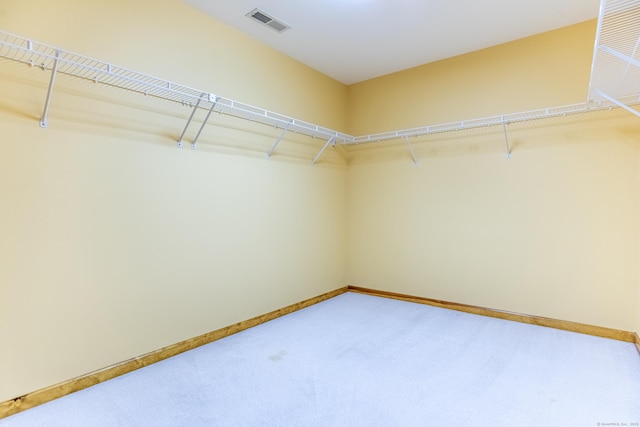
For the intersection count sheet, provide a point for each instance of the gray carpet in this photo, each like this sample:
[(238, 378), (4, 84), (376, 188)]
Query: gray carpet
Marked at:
[(358, 360)]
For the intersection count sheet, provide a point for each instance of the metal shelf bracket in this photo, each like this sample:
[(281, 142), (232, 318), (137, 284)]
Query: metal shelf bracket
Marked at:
[(44, 120), (616, 102), (213, 99), (284, 131), (627, 59), (416, 163), (193, 112), (506, 139), (330, 141)]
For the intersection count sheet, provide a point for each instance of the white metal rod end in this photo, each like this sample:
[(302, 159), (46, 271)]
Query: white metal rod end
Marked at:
[(180, 143), (44, 123), (193, 145)]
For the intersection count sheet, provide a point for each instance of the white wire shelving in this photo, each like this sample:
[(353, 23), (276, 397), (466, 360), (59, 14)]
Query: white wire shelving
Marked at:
[(499, 120), (56, 60), (615, 70), (615, 82)]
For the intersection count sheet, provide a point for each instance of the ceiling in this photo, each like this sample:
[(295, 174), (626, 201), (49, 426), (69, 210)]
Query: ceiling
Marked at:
[(356, 40)]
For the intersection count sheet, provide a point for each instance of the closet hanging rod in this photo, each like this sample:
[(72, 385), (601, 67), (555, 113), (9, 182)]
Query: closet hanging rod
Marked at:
[(38, 54)]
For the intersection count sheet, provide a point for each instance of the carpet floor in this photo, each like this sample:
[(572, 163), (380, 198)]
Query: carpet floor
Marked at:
[(359, 360)]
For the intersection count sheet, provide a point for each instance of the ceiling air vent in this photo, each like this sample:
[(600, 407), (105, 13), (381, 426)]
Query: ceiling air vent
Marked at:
[(265, 19)]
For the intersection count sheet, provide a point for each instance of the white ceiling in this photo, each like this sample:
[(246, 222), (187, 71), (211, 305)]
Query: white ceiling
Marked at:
[(355, 40)]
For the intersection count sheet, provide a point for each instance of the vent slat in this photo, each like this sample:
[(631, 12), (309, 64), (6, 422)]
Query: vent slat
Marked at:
[(263, 18)]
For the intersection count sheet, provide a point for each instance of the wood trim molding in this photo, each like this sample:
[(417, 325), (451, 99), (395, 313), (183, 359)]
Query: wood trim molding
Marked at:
[(638, 342), (582, 328), (47, 394)]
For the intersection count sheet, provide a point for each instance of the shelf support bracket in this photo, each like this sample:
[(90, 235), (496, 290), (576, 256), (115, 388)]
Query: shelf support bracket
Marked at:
[(214, 100), (619, 55), (193, 112), (331, 141), (44, 121), (413, 153), (284, 131), (616, 102), (506, 139)]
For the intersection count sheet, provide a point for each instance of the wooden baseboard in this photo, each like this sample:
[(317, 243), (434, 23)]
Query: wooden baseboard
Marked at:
[(582, 328), (47, 394)]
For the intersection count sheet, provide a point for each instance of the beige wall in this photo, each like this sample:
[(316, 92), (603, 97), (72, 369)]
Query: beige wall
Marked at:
[(552, 231), (537, 72), (114, 242)]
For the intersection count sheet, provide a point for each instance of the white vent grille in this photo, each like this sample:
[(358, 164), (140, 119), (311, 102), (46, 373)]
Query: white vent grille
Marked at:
[(261, 17)]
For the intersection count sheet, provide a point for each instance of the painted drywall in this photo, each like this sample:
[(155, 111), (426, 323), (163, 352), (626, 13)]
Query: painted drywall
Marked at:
[(545, 70), (552, 231), (115, 242)]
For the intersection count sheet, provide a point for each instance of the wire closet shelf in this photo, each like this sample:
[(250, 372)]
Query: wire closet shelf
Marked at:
[(52, 58), (615, 82), (615, 70)]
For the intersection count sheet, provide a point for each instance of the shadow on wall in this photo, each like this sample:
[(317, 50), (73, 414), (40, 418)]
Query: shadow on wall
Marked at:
[(80, 106), (566, 130)]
